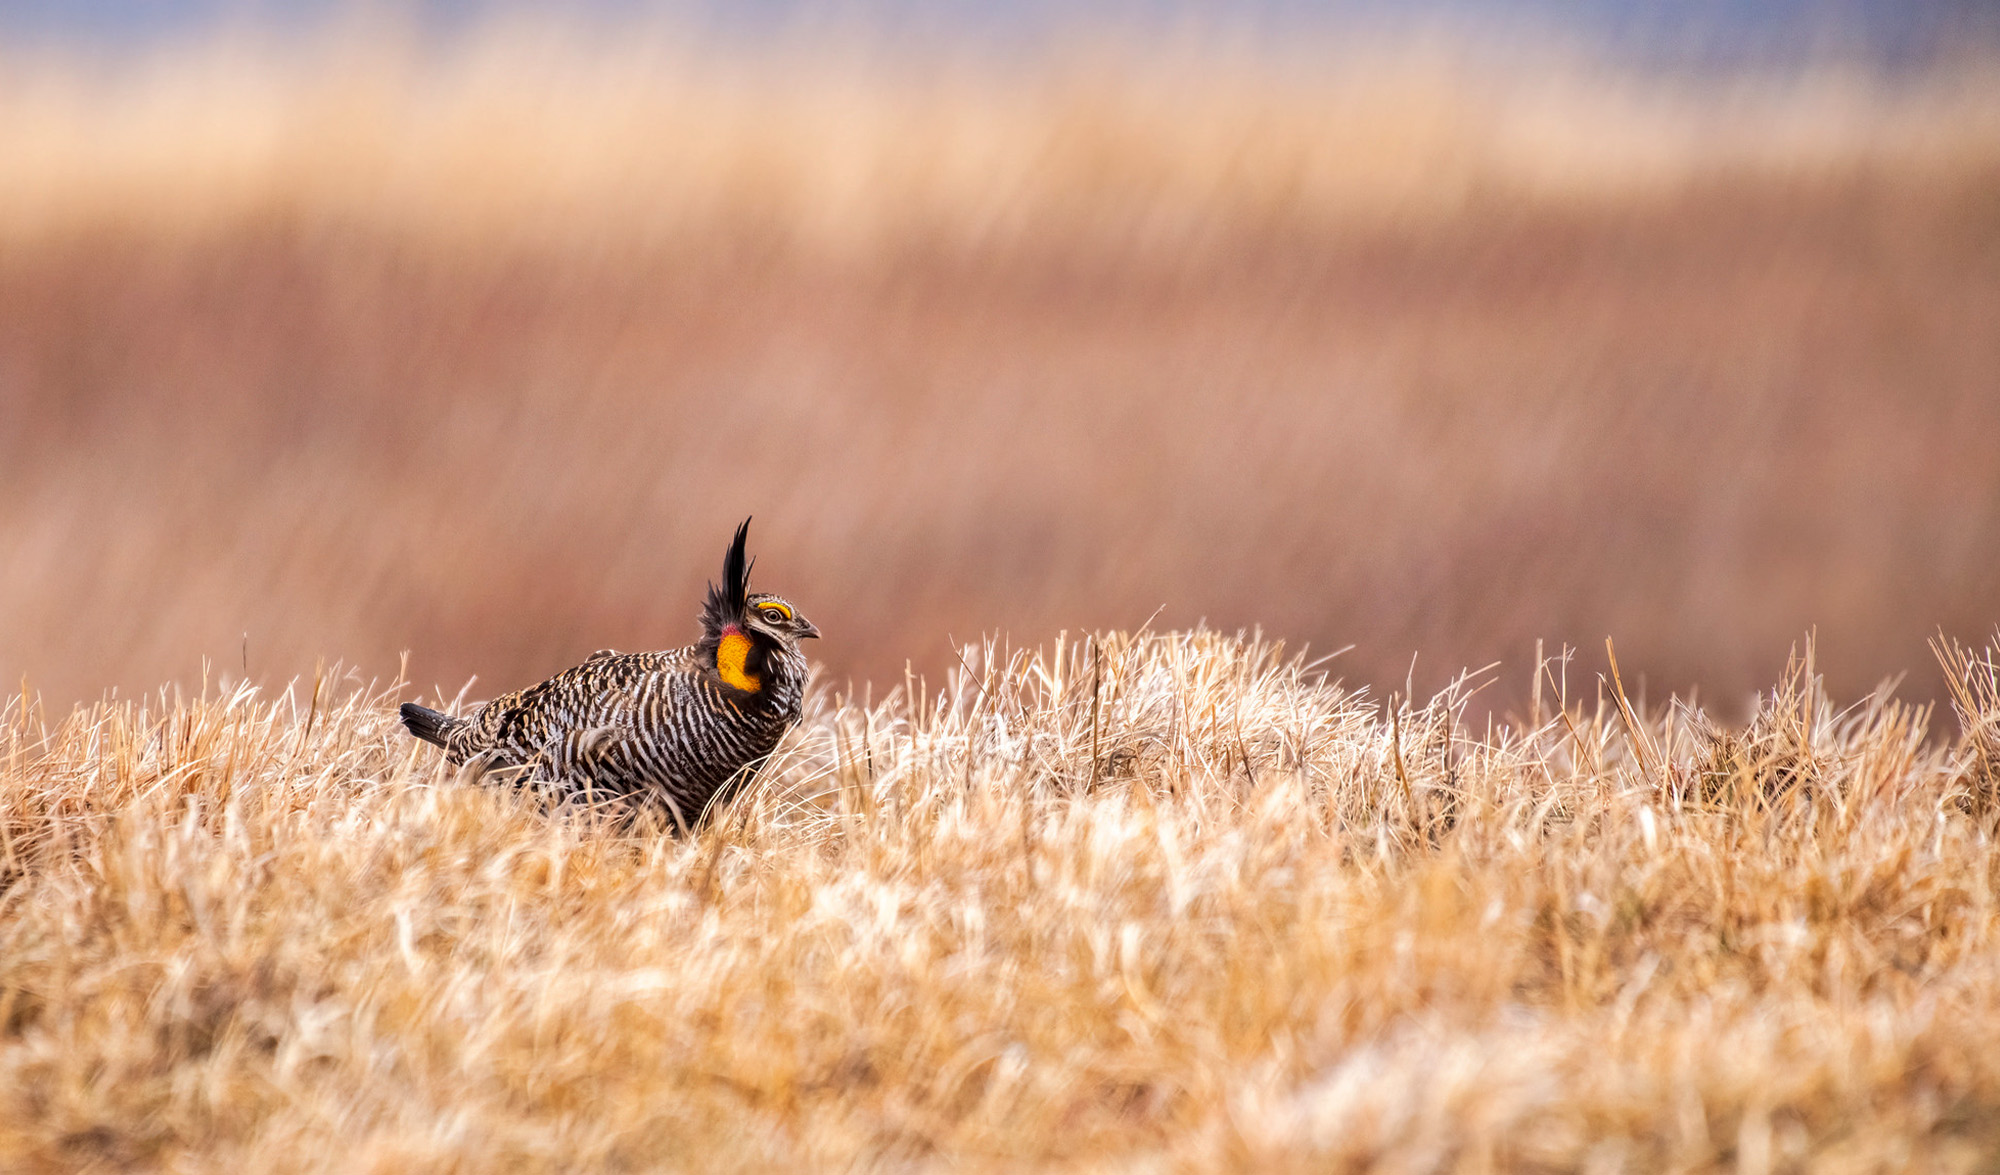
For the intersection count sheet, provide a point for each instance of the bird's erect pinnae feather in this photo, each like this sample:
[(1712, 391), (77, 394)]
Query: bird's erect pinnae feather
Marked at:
[(728, 601)]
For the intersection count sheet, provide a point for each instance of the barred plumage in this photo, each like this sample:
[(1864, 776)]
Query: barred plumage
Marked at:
[(685, 728)]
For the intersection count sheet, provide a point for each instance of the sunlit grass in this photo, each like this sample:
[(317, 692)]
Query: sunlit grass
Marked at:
[(1166, 901)]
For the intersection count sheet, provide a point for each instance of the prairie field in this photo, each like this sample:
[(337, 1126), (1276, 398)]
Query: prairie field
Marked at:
[(1151, 434), (343, 354), (1144, 902)]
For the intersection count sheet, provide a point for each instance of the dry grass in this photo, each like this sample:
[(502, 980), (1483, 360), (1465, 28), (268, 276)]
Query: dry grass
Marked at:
[(482, 358), (482, 362), (543, 137), (1159, 902)]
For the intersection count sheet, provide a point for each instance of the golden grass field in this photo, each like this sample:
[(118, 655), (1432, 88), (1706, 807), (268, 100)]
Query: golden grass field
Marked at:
[(1153, 903), (466, 365)]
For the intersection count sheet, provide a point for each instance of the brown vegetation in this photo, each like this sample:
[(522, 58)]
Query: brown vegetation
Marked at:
[(1164, 902), (482, 363)]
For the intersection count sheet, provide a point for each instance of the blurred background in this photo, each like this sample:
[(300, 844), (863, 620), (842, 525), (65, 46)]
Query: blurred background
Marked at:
[(470, 330)]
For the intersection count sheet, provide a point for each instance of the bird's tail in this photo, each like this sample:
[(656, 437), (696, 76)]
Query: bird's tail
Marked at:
[(429, 725)]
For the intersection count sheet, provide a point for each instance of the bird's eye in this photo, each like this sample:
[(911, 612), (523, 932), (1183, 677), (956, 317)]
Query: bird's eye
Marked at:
[(775, 615)]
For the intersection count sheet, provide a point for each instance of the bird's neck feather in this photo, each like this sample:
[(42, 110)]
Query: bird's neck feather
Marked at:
[(732, 657)]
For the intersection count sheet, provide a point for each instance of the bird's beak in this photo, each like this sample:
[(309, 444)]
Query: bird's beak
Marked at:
[(810, 630)]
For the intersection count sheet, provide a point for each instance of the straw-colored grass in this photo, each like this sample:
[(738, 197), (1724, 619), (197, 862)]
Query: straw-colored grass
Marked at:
[(459, 356), (1137, 902), (528, 135)]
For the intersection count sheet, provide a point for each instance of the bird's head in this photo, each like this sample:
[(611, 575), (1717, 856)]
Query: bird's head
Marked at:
[(775, 619), (740, 629)]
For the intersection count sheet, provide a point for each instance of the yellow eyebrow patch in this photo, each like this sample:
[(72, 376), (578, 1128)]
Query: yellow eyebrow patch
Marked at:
[(729, 658), (780, 609)]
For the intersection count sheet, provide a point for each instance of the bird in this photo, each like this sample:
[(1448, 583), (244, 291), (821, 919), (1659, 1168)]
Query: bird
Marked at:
[(685, 728)]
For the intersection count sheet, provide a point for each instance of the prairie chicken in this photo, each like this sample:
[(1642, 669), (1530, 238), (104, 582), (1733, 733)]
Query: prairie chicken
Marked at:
[(685, 728)]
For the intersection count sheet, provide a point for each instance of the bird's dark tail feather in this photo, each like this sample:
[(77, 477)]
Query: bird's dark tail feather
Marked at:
[(428, 725)]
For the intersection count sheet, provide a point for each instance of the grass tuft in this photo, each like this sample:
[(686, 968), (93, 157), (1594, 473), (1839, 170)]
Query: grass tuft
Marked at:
[(1972, 680)]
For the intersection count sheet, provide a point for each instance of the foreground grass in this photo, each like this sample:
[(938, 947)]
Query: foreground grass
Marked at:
[(1160, 902)]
